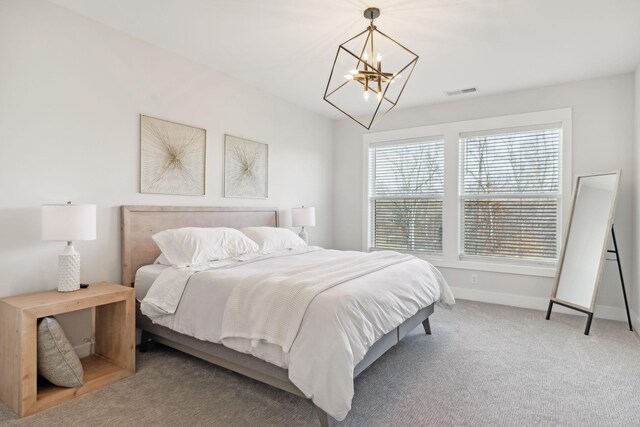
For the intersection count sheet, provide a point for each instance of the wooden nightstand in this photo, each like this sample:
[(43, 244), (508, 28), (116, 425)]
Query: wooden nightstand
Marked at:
[(114, 319)]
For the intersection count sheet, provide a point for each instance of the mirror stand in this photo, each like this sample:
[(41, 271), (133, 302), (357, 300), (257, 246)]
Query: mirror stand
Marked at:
[(617, 260), (590, 313)]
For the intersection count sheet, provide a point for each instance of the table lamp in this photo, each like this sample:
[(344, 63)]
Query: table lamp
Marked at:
[(68, 223), (303, 217)]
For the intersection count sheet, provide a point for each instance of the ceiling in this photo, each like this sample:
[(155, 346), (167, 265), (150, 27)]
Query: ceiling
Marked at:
[(287, 47)]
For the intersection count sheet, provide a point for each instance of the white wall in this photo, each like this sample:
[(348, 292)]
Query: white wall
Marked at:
[(635, 287), (71, 91), (602, 141)]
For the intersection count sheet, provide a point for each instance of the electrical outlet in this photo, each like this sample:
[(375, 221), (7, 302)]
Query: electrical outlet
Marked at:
[(474, 278)]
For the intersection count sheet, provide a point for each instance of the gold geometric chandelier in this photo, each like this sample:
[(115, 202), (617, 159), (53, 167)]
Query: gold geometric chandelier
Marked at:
[(369, 74)]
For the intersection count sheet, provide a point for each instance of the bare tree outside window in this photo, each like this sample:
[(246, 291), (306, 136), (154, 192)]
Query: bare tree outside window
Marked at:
[(510, 194), (407, 187)]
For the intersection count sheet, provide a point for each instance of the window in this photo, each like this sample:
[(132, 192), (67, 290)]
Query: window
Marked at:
[(487, 194), (406, 183), (510, 194)]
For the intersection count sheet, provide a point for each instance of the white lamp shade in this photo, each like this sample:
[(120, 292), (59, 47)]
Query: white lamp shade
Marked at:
[(303, 217), (68, 222)]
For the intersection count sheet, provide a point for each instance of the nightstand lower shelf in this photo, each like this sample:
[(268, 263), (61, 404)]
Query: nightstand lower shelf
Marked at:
[(98, 372)]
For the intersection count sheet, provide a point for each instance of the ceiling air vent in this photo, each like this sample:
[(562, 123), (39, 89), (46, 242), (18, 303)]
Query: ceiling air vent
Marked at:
[(462, 91)]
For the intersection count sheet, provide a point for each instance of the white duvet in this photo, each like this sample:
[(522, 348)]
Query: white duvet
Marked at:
[(339, 323)]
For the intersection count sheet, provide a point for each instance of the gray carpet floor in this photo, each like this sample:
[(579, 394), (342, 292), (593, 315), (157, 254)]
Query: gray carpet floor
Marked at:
[(484, 365)]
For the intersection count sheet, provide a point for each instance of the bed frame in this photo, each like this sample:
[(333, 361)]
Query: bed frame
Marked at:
[(139, 223)]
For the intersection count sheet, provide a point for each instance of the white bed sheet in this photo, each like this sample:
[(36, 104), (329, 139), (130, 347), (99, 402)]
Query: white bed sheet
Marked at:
[(206, 325), (145, 276), (337, 330)]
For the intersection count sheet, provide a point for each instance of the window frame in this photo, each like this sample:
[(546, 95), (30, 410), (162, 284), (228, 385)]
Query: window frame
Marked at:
[(452, 133)]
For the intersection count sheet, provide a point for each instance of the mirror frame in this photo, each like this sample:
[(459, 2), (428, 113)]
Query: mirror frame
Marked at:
[(605, 244)]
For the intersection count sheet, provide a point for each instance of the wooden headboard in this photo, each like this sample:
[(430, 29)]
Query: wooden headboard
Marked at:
[(139, 223)]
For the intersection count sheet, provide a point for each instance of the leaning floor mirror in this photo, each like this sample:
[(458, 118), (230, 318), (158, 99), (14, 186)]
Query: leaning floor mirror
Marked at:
[(586, 244)]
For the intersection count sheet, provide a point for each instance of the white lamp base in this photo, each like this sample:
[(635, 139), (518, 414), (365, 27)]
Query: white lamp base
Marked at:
[(303, 236), (69, 269)]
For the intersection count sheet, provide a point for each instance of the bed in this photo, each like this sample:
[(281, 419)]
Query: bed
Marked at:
[(139, 223)]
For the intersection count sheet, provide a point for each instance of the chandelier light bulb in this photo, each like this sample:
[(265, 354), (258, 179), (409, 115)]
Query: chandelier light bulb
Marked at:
[(366, 96), (379, 96)]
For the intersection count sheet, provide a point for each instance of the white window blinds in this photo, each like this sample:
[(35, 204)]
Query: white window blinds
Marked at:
[(510, 194), (406, 187)]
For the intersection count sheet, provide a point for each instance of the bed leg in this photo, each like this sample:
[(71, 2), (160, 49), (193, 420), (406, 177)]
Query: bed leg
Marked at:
[(325, 421), (427, 326), (144, 342)]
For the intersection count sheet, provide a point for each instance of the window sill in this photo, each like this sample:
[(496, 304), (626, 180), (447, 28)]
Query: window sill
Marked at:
[(524, 269)]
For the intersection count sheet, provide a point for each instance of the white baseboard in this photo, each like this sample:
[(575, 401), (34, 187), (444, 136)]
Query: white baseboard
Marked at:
[(83, 350), (536, 303), (635, 320)]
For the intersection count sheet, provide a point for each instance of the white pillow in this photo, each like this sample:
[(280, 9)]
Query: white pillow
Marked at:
[(271, 239), (192, 245)]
